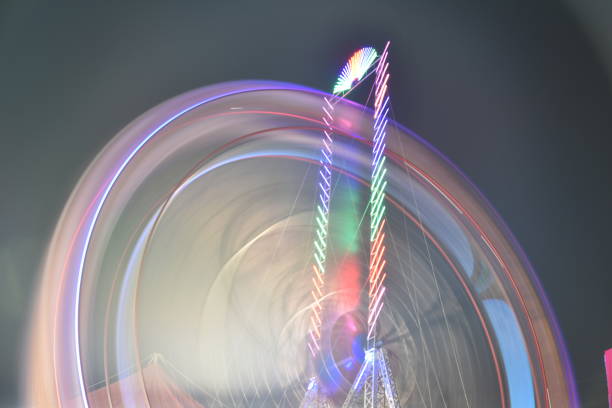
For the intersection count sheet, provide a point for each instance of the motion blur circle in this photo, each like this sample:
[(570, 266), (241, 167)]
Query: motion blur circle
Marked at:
[(178, 274)]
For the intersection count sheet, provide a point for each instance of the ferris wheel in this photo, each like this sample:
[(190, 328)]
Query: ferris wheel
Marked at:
[(264, 244)]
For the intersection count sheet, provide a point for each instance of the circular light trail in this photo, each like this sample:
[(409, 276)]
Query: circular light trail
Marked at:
[(179, 273)]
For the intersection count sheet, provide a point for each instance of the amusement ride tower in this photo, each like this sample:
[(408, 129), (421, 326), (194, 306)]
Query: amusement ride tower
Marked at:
[(374, 385)]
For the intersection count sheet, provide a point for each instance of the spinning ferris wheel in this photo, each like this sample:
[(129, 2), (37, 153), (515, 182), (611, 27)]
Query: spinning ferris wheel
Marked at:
[(263, 244)]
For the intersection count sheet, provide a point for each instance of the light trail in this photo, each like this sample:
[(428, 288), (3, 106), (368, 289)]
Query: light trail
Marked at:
[(377, 198), (356, 67), (352, 73), (322, 229), (74, 266)]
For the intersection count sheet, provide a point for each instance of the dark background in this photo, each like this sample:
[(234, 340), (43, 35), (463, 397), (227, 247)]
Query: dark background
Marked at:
[(517, 93)]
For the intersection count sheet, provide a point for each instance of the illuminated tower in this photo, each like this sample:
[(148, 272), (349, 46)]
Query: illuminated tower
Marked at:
[(354, 70), (374, 386)]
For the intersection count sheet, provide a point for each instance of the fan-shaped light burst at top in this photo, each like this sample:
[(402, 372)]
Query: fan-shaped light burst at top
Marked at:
[(354, 70)]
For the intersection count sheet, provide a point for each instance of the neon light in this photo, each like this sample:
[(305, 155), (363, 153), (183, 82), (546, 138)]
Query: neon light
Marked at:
[(355, 69), (322, 224), (378, 188)]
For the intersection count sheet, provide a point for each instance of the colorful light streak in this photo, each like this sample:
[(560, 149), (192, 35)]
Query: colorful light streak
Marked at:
[(372, 372), (355, 69), (374, 385), (322, 227), (377, 198)]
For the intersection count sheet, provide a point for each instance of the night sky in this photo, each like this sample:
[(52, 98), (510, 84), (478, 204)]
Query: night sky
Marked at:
[(518, 94)]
